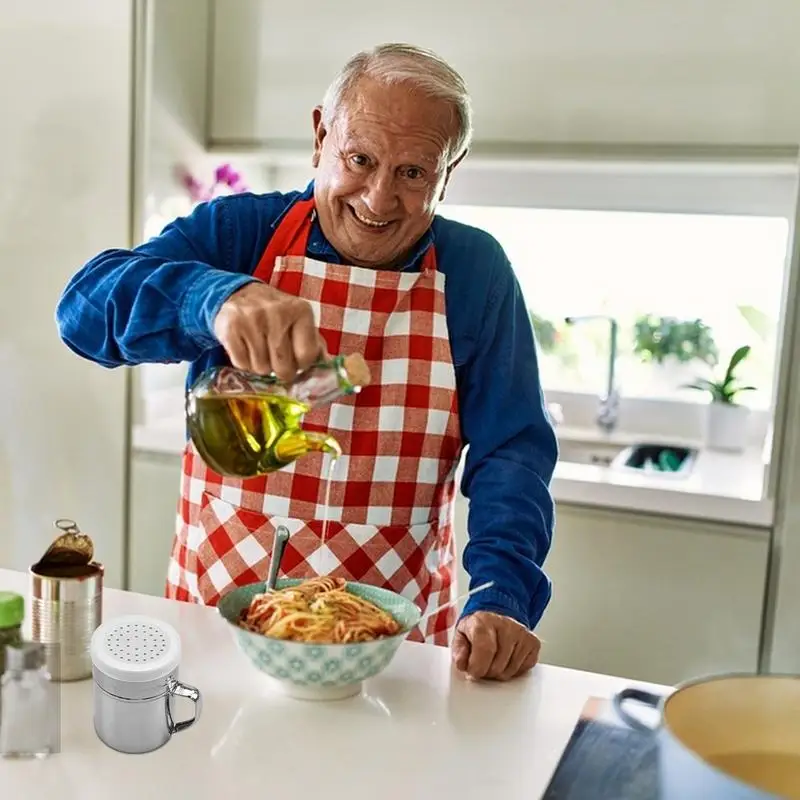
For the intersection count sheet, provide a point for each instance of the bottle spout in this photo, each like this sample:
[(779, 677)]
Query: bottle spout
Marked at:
[(293, 447), (323, 443)]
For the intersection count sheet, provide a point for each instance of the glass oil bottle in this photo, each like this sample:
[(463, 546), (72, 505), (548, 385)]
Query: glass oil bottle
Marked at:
[(244, 425)]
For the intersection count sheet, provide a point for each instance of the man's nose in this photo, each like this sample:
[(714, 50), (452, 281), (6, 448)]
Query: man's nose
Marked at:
[(380, 196)]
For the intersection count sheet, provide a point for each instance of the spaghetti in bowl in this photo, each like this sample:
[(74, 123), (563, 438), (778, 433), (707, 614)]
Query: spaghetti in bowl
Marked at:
[(311, 661)]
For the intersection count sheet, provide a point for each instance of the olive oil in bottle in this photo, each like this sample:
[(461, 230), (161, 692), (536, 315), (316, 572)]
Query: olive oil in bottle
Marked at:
[(245, 425)]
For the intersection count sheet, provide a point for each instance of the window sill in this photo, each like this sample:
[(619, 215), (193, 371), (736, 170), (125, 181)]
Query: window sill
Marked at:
[(721, 487)]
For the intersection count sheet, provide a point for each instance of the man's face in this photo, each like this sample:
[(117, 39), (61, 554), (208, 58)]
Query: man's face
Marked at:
[(381, 170)]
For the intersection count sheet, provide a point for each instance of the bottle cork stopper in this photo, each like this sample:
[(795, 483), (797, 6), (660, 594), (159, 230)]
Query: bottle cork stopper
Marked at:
[(357, 370)]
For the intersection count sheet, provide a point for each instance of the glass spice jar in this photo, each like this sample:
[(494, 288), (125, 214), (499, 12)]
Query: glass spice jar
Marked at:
[(30, 723), (12, 614)]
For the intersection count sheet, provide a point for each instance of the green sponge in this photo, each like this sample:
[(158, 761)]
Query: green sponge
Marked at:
[(669, 461)]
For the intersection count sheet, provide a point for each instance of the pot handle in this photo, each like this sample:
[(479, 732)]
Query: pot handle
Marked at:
[(178, 689), (637, 696)]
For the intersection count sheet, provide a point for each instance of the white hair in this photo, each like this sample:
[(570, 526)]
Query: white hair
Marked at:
[(404, 63)]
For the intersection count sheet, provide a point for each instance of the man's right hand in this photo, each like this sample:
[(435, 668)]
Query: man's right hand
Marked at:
[(264, 330)]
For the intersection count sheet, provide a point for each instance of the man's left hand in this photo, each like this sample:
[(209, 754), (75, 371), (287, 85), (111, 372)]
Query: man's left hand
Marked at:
[(488, 645)]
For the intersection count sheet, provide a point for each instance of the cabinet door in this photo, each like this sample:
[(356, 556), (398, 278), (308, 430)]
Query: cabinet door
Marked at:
[(597, 82), (653, 598), (155, 487)]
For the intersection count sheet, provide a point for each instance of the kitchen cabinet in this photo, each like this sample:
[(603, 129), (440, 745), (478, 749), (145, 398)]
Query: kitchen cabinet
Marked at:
[(155, 487), (653, 598), (652, 80)]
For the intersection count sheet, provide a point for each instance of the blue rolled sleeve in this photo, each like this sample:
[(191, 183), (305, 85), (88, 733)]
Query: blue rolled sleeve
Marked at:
[(157, 303), (510, 460)]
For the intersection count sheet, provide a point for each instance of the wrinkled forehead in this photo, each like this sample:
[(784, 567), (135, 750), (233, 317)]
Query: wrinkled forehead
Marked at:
[(397, 122)]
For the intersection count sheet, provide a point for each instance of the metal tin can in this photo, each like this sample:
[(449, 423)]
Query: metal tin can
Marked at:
[(66, 606)]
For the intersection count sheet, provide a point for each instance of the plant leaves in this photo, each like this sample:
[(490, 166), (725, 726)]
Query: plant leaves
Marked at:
[(658, 338), (736, 359), (703, 385)]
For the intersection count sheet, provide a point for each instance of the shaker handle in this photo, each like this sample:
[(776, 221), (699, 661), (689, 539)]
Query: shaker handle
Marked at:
[(637, 696), (178, 689)]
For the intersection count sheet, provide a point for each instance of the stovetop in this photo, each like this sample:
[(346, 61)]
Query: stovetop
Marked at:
[(605, 760)]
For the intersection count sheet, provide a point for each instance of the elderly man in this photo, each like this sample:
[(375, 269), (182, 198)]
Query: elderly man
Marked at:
[(358, 261)]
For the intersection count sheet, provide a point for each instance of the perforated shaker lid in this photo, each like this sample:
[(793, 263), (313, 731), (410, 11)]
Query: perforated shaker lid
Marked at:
[(136, 648)]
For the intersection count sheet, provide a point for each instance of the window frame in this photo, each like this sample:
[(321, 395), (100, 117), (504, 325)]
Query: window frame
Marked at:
[(741, 187), (762, 184)]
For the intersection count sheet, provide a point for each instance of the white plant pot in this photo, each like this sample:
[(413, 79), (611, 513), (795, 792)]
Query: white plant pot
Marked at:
[(727, 427)]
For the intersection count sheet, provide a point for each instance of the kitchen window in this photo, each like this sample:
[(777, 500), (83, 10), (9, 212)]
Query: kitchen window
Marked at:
[(691, 260), (660, 270)]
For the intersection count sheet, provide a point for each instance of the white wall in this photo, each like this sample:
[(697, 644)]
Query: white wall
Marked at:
[(174, 129), (177, 114), (175, 140), (632, 71), (65, 136)]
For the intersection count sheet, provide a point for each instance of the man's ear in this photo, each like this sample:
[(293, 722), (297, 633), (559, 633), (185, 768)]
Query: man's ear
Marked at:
[(319, 135), (449, 172)]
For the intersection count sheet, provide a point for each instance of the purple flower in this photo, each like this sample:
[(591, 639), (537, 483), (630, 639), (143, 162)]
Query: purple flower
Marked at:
[(223, 173)]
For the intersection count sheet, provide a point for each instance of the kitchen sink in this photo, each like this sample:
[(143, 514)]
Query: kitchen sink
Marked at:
[(658, 459), (644, 458), (594, 453)]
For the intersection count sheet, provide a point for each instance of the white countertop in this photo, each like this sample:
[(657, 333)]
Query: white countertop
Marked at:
[(418, 731), (722, 487)]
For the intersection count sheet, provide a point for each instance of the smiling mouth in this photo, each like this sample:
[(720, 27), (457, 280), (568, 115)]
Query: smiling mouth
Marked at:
[(369, 223)]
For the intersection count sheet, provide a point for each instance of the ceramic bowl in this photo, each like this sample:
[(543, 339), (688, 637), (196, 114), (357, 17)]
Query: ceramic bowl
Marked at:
[(311, 671)]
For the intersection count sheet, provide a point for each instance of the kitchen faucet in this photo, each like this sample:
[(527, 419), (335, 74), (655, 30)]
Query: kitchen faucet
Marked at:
[(608, 411)]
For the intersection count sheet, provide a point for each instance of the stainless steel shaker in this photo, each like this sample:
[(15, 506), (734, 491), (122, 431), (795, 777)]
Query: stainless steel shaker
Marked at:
[(135, 664), (66, 602)]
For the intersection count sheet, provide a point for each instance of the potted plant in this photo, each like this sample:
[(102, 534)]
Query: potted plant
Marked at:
[(672, 346), (727, 420)]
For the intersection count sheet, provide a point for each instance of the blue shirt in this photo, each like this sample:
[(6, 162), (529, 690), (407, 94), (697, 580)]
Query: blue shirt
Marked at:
[(157, 304)]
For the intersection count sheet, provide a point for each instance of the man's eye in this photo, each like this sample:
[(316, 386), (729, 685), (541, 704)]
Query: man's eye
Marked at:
[(414, 173), (359, 160)]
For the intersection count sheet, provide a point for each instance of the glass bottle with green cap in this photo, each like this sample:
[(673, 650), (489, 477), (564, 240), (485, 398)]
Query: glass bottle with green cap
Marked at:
[(12, 613), (245, 425)]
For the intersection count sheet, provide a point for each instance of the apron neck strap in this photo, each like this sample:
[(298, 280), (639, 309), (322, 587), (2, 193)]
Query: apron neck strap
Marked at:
[(291, 239)]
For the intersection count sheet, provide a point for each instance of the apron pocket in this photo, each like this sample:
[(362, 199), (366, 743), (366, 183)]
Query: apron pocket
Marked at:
[(234, 548)]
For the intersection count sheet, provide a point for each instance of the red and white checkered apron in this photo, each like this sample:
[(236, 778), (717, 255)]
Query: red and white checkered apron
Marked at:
[(391, 500)]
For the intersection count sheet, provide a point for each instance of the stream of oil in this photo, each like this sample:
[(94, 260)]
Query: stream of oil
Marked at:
[(326, 517)]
